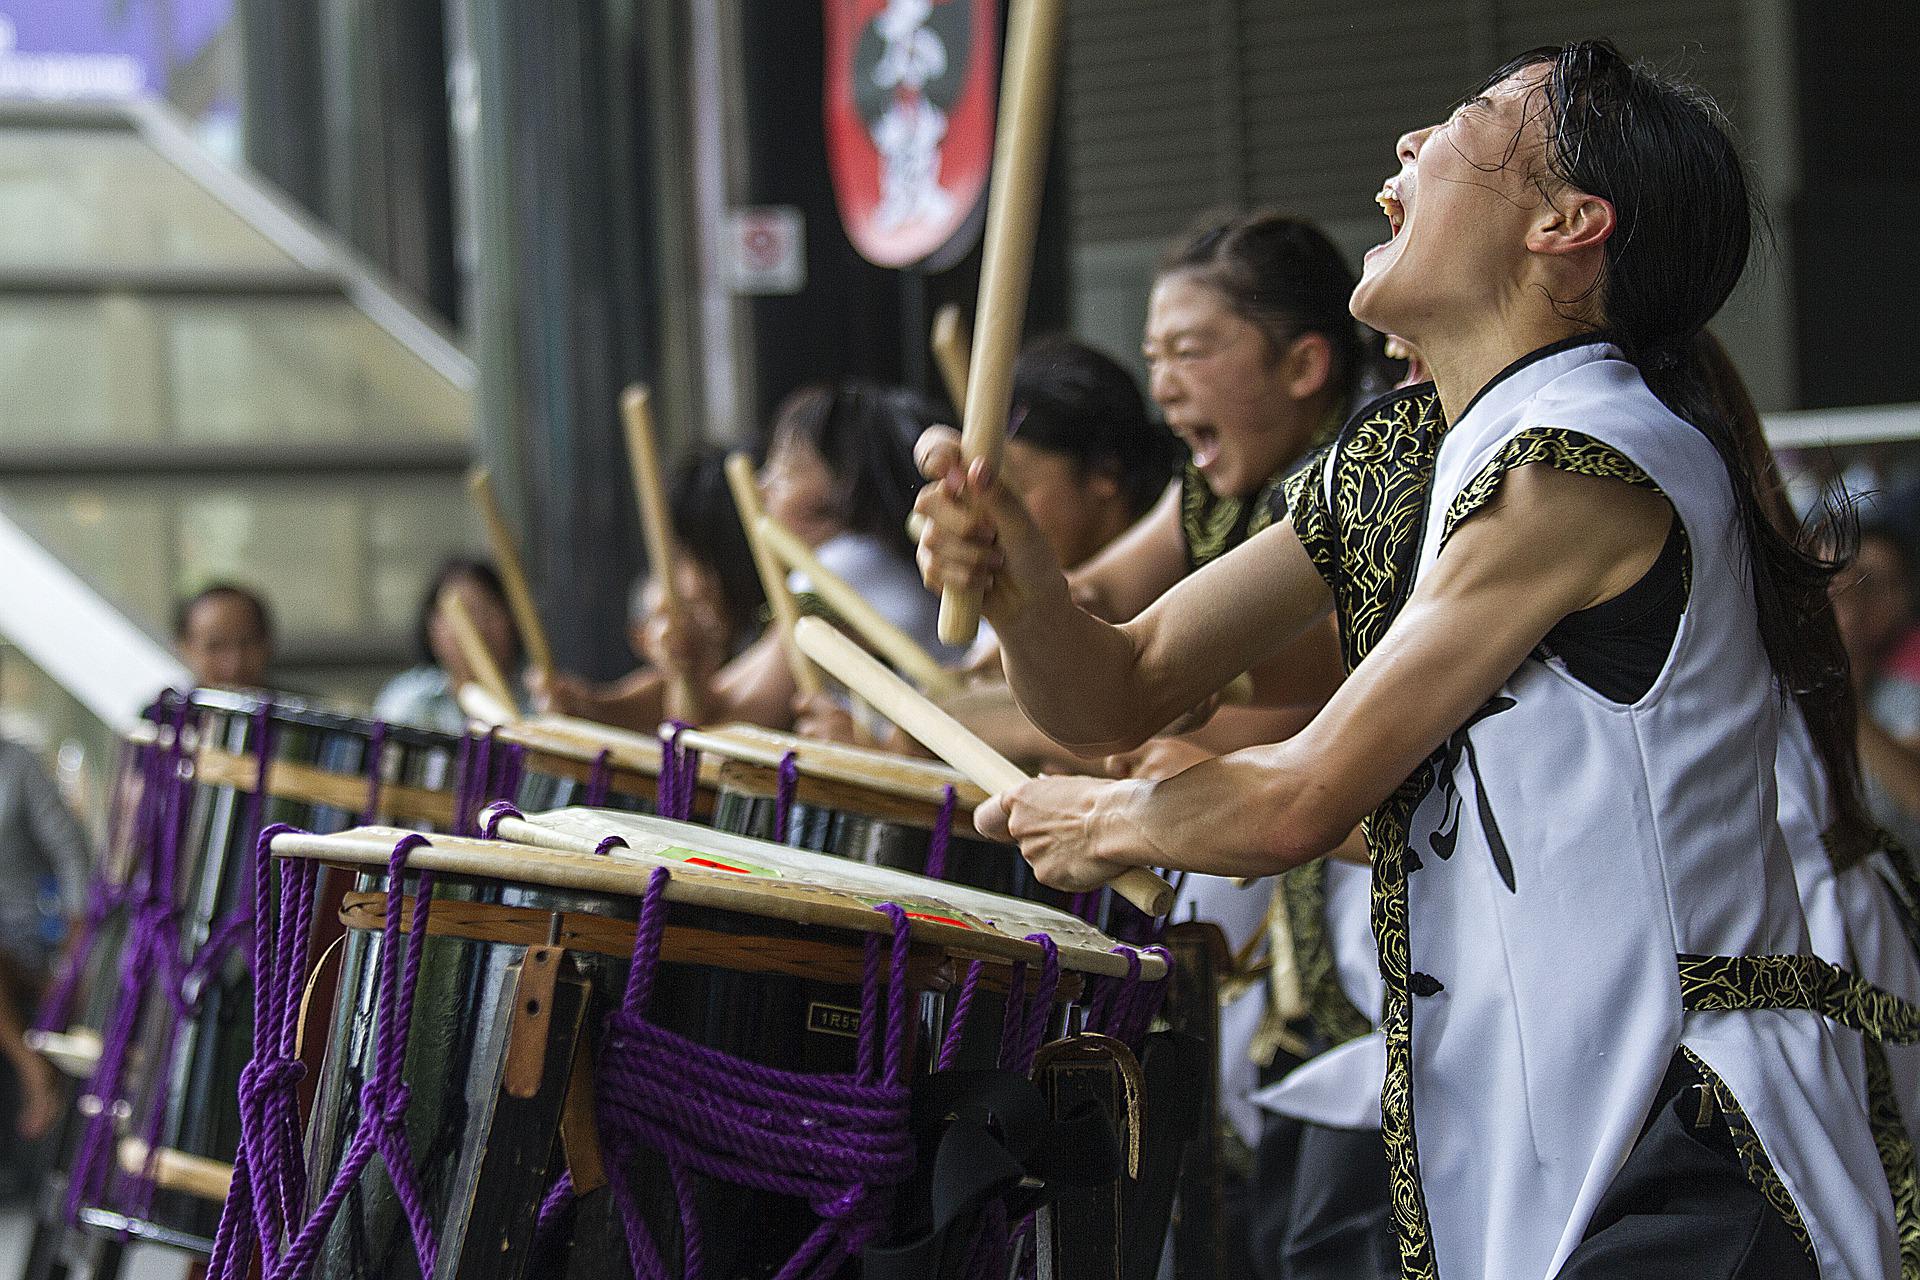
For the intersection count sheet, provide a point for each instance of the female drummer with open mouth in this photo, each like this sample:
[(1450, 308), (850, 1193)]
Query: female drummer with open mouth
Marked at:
[(1606, 1049)]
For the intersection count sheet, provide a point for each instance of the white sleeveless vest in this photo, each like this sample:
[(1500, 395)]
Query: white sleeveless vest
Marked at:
[(1569, 851)]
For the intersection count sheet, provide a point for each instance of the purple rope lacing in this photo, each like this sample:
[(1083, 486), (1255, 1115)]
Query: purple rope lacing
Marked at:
[(937, 842), (957, 1025), (376, 753), (494, 814), (679, 774), (270, 1145), (513, 764), (840, 1142), (183, 985), (463, 803), (599, 780), (788, 782), (153, 953), (1021, 1035)]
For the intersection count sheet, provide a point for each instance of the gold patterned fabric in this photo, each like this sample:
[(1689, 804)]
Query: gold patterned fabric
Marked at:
[(1304, 890), (1753, 1156), (1895, 1146), (1212, 525), (1799, 981), (1365, 542)]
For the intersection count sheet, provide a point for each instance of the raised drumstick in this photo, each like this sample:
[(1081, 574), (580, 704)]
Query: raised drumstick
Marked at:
[(513, 572), (949, 343), (480, 664), (773, 578), (947, 738), (893, 644), (1013, 216), (650, 493)]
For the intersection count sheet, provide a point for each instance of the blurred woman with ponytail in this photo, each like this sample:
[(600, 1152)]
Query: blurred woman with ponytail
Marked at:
[(1567, 620)]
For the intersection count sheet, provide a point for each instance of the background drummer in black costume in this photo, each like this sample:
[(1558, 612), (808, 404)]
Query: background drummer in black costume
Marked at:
[(1557, 241)]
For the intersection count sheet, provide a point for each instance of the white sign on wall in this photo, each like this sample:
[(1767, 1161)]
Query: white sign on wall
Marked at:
[(766, 248)]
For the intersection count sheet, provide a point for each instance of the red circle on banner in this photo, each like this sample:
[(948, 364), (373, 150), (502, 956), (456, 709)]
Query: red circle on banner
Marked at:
[(901, 209)]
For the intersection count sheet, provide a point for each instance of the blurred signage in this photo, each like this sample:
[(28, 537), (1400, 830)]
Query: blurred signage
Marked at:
[(69, 49), (909, 121), (766, 250)]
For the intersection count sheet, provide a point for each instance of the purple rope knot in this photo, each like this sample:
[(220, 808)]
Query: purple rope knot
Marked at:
[(608, 844), (937, 842), (494, 814), (789, 779), (841, 1143)]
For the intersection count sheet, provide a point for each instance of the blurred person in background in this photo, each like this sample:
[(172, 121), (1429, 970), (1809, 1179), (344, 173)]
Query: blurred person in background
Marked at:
[(719, 594), (44, 861), (1873, 602), (423, 695), (224, 635)]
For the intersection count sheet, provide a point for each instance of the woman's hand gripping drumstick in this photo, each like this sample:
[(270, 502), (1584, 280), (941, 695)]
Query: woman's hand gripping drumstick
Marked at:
[(513, 575), (643, 452), (1072, 862), (1013, 218)]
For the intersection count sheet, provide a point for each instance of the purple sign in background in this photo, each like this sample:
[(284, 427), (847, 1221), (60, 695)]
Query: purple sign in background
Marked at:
[(102, 48)]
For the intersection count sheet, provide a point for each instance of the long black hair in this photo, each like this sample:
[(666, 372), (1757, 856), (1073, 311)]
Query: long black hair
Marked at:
[(1071, 399), (1658, 149), (865, 432), (1285, 277), (705, 522)]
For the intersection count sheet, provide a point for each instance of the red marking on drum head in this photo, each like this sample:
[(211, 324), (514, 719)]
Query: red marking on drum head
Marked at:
[(933, 919), (717, 866)]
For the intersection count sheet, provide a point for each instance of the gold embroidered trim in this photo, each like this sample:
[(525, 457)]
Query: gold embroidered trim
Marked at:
[(1753, 1155), (1895, 1146), (1800, 981)]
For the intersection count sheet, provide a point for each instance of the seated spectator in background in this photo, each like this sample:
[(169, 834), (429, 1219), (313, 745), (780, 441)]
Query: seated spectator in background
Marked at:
[(424, 695), (224, 635), (43, 853), (1873, 603), (720, 599)]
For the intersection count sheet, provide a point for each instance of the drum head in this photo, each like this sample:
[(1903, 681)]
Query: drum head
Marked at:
[(905, 777)]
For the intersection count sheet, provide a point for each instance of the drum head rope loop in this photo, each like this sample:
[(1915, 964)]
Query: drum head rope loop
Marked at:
[(376, 771), (270, 1149), (840, 1142), (599, 780), (789, 779), (942, 831), (679, 775)]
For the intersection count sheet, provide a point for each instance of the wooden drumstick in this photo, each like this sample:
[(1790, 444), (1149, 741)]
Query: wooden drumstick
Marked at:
[(650, 493), (513, 573), (950, 344), (947, 738), (893, 644), (1013, 217), (773, 578), (473, 647)]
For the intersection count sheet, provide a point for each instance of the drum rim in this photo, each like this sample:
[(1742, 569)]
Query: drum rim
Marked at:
[(907, 777), (308, 714), (372, 847)]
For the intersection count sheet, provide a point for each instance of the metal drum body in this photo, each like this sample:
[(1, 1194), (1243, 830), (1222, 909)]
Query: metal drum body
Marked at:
[(317, 780), (757, 986), (868, 806)]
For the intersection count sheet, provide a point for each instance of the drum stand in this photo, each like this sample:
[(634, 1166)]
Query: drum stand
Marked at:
[(58, 1250)]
